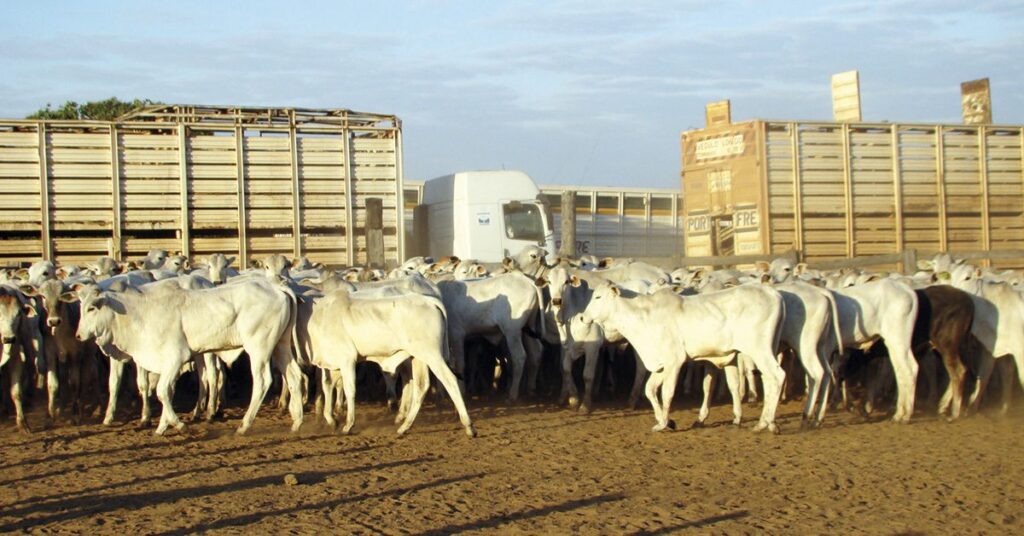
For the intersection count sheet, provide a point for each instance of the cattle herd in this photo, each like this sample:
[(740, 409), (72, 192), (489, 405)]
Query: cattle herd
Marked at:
[(312, 326)]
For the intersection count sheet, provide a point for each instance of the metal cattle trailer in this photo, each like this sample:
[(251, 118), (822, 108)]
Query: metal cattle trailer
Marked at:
[(834, 190), (610, 221), (200, 179)]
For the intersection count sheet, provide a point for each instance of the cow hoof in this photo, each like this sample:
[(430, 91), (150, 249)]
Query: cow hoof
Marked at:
[(697, 424), (392, 407), (296, 426), (671, 425), (401, 431), (159, 432), (347, 430), (471, 431), (24, 428), (574, 403), (584, 409), (108, 422), (179, 426), (241, 431)]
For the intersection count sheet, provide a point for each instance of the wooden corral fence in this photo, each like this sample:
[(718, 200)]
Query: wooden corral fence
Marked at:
[(845, 190), (198, 180)]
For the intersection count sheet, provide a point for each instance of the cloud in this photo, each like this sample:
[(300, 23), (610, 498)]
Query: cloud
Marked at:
[(571, 91)]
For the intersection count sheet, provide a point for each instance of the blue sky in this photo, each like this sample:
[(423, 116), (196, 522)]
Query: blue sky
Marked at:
[(572, 92)]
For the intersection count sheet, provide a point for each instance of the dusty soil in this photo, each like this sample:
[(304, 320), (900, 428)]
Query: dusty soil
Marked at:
[(534, 469)]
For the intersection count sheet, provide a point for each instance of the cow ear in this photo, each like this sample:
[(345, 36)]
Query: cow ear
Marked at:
[(616, 291), (434, 267), (541, 282), (28, 290), (21, 273), (69, 297), (229, 260), (765, 279), (29, 310), (662, 282), (480, 270), (296, 262), (698, 274), (574, 280), (958, 262), (678, 289), (61, 273), (978, 273), (186, 265), (255, 264), (800, 268), (762, 266), (507, 262)]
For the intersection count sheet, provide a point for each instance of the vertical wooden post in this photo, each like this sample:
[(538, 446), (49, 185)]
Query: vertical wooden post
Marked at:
[(44, 193), (986, 222), (848, 191), (897, 185), (115, 192), (293, 148), (400, 205), (420, 244), (243, 217), (568, 247), (940, 175), (374, 232), (909, 262), (798, 198), (183, 176), (350, 198)]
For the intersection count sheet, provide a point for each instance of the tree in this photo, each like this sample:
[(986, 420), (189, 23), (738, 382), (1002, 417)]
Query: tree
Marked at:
[(104, 110)]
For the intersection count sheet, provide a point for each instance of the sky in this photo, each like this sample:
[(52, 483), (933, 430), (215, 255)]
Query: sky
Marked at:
[(584, 92)]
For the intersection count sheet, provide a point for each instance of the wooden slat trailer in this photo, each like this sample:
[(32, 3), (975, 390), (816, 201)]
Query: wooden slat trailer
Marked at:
[(199, 180), (834, 190)]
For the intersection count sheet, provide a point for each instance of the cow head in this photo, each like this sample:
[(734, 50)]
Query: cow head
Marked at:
[(177, 263), (13, 308), (154, 259), (602, 304), (53, 296), (218, 263), (99, 310), (531, 260)]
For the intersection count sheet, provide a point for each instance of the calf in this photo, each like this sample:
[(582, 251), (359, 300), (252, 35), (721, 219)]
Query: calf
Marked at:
[(160, 329), (502, 305), (340, 329), (666, 330)]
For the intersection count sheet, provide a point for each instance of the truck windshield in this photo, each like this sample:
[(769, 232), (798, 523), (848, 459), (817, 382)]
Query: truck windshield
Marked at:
[(523, 221)]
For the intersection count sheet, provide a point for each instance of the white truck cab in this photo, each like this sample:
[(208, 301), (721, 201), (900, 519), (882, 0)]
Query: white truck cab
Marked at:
[(486, 215)]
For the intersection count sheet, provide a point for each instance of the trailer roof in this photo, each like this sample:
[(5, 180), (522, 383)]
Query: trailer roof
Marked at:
[(258, 115)]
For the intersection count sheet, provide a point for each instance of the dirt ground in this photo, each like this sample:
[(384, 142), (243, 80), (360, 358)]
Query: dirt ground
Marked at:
[(536, 468)]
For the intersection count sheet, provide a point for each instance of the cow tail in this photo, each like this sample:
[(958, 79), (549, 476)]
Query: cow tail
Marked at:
[(838, 334), (537, 329), (446, 350)]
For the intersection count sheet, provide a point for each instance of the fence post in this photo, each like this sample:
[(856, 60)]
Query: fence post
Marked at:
[(374, 232), (909, 261), (568, 248)]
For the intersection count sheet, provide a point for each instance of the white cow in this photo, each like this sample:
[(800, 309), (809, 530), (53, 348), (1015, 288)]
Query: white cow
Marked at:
[(571, 292), (998, 326), (340, 329), (19, 334), (666, 330), (160, 329), (885, 309), (60, 309), (501, 305)]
